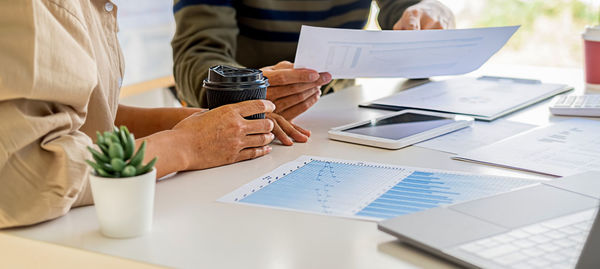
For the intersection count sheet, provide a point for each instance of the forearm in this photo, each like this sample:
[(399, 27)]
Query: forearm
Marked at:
[(146, 121), (390, 11), (164, 145), (206, 35)]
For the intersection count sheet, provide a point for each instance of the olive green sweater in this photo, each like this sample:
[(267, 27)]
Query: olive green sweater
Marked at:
[(256, 33)]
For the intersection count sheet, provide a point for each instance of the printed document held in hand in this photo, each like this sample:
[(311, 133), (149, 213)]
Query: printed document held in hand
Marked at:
[(349, 53)]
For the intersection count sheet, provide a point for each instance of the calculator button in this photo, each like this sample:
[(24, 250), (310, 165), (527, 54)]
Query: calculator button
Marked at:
[(569, 100), (576, 105)]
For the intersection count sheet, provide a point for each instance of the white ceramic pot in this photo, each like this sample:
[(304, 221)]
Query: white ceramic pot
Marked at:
[(124, 205)]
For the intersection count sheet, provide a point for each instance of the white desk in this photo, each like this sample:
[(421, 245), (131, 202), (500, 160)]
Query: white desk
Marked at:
[(191, 230)]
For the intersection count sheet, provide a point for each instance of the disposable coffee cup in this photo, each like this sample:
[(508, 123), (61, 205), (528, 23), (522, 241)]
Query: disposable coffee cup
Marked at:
[(227, 85), (591, 40)]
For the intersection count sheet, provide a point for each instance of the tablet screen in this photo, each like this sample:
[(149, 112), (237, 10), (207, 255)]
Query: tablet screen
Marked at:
[(400, 126)]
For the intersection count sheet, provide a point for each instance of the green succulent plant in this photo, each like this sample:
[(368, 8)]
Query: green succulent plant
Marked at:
[(117, 157)]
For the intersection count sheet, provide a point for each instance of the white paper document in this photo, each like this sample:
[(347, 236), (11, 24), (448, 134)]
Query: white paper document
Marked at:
[(478, 135), (363, 190), (347, 53), (561, 149), (484, 98)]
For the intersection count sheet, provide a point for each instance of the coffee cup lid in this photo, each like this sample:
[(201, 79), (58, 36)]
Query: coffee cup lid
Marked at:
[(230, 74), (592, 33)]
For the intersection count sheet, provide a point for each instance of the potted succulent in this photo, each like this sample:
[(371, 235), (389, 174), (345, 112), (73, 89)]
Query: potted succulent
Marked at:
[(123, 187)]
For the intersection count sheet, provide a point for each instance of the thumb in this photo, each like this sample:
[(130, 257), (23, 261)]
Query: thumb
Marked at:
[(251, 107)]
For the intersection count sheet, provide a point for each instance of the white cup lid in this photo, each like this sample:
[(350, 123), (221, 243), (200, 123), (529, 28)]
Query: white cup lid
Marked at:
[(592, 33)]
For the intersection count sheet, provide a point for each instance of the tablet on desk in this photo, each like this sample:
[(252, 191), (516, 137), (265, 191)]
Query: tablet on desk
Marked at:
[(400, 129)]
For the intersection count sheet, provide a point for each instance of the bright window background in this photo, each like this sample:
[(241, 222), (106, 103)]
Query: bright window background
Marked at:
[(550, 33)]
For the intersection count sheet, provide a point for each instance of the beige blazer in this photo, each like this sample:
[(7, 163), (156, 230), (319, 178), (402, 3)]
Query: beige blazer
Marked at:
[(60, 73)]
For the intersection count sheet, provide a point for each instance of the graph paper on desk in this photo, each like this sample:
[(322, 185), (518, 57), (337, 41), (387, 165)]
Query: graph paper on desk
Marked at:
[(364, 190)]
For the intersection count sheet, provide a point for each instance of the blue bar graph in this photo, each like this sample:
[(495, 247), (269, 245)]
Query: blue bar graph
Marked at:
[(366, 190), (421, 185)]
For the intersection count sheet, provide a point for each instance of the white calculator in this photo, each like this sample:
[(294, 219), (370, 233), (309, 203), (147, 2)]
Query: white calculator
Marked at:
[(576, 105)]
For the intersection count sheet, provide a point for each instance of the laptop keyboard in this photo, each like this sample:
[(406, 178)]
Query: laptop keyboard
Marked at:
[(556, 243)]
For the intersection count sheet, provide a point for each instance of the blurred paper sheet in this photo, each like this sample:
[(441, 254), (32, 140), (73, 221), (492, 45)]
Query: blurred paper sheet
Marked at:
[(349, 53), (478, 135), (564, 148)]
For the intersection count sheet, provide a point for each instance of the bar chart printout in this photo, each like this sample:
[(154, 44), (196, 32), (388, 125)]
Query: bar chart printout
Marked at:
[(363, 190)]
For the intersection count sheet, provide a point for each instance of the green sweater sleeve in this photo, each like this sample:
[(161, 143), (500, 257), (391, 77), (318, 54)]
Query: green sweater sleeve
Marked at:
[(390, 11), (205, 35)]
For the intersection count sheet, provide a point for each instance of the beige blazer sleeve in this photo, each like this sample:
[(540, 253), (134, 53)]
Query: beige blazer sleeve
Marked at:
[(47, 74)]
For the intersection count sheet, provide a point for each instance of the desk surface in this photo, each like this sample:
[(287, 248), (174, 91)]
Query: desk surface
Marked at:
[(192, 230), (20, 252)]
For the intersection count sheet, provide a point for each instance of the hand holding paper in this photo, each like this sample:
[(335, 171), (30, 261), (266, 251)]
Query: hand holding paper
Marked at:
[(427, 14), (411, 54)]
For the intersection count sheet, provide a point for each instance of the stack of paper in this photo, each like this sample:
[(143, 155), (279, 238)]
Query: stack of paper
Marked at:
[(561, 149)]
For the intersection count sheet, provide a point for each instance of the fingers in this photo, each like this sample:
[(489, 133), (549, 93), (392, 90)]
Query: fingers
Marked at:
[(428, 22), (298, 109), (426, 15), (292, 100), (290, 76), (302, 130), (277, 92), (288, 132), (282, 136), (284, 65), (258, 126), (432, 25), (291, 131), (410, 20), (279, 65), (251, 107), (414, 23), (257, 140), (251, 153)]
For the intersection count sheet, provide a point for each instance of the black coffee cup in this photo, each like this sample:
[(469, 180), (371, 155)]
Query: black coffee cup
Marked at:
[(228, 85)]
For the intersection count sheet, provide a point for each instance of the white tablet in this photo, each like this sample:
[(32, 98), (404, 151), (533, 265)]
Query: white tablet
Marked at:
[(400, 129)]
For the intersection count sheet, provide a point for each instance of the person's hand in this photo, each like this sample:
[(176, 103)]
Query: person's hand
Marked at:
[(286, 131), (428, 14), (222, 135), (293, 91)]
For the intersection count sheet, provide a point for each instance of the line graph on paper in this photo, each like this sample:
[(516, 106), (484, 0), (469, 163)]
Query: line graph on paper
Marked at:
[(364, 190)]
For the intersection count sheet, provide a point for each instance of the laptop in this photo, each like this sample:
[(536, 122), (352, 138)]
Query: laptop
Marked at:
[(552, 224)]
